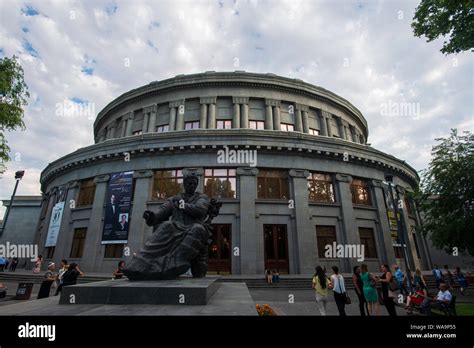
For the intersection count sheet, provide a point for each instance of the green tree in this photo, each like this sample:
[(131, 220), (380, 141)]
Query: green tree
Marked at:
[(446, 194), (13, 98), (435, 18)]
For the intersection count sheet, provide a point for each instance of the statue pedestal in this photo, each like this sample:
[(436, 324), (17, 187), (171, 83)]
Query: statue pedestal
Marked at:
[(182, 291)]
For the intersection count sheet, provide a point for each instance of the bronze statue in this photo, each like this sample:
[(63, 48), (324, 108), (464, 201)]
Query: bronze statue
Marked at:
[(180, 243)]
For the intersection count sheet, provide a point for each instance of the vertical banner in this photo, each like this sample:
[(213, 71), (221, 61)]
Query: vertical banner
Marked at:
[(392, 221), (56, 217), (117, 208)]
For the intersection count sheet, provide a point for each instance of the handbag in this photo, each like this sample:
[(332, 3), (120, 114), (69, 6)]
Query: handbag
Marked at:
[(348, 299)]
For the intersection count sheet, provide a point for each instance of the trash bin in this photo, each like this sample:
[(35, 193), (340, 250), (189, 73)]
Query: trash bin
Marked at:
[(24, 291)]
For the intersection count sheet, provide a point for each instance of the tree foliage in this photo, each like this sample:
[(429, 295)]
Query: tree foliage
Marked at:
[(13, 98), (453, 18), (446, 195)]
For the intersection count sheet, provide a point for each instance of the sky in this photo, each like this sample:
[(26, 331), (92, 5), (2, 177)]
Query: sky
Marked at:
[(90, 52)]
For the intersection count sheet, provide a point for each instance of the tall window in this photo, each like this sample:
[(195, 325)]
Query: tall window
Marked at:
[(360, 192), (167, 183), (256, 125), (163, 128), (287, 127), (86, 193), (321, 188), (367, 239), (220, 183), (326, 235), (191, 125), (113, 251), (272, 184), (78, 242), (313, 131), (224, 124), (50, 252), (408, 205)]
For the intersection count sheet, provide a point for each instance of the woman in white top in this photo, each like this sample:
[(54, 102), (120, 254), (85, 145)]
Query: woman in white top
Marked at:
[(339, 289)]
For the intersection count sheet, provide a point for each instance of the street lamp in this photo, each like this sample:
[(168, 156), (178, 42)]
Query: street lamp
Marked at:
[(18, 175), (400, 228)]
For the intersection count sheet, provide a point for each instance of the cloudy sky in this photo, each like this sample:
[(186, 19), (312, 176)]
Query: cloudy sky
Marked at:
[(89, 52)]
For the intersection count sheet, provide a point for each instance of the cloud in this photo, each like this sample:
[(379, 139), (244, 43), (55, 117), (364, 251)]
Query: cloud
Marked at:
[(91, 52)]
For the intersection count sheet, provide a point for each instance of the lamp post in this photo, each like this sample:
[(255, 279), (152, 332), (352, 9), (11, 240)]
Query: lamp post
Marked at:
[(400, 228), (18, 175)]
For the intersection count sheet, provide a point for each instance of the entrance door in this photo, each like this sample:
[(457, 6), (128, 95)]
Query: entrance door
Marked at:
[(276, 248), (220, 249)]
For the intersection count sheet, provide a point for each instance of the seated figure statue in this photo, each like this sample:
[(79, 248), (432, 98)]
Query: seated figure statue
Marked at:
[(178, 244)]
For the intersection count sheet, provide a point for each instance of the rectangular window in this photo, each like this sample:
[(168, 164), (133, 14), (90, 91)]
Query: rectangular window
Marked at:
[(78, 242), (86, 193), (256, 124), (272, 184), (360, 192), (408, 205), (321, 188), (398, 251), (220, 183), (313, 131), (367, 239), (191, 125), (114, 251), (167, 183), (287, 127), (138, 132), (224, 124), (325, 235), (50, 252), (164, 128)]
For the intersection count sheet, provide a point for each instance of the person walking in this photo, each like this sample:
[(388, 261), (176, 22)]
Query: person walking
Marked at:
[(438, 276), (321, 284), (462, 281), (400, 277), (370, 293), (359, 289), (339, 289), (387, 294), (49, 278)]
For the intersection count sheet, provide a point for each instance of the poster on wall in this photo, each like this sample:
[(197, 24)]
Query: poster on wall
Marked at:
[(56, 217), (117, 208), (392, 221)]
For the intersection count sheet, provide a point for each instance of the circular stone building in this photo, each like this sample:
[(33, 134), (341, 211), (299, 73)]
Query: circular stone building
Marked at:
[(289, 161)]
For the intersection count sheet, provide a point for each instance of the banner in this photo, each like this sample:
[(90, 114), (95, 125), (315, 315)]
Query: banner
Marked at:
[(117, 208), (392, 221), (56, 217)]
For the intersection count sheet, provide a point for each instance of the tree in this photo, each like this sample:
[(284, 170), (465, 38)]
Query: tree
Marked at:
[(446, 194), (435, 18), (13, 98)]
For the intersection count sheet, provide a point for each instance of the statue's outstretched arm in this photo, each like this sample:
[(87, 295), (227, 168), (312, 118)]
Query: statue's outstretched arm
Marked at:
[(162, 214)]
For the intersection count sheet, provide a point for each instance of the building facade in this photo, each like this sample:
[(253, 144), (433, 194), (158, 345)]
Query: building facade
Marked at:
[(289, 160)]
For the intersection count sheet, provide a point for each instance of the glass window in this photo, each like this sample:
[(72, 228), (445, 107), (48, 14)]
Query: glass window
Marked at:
[(272, 184), (313, 131), (220, 183), (78, 242), (408, 205), (287, 127), (50, 252), (256, 124), (86, 193), (191, 125), (167, 183), (113, 251), (360, 192), (325, 235), (321, 188), (224, 124), (367, 239), (164, 128)]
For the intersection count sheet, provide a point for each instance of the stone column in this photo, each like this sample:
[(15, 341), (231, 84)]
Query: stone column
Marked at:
[(63, 245), (102, 136), (212, 116), (350, 231), (245, 114), (251, 240), (137, 227), (93, 248), (276, 116), (340, 126), (323, 124), (387, 254), (172, 119), (236, 116), (124, 126), (353, 133), (111, 130), (130, 123), (305, 122), (304, 232), (146, 117), (411, 250), (177, 116), (152, 118), (268, 115), (301, 118), (326, 117), (203, 116), (42, 230)]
